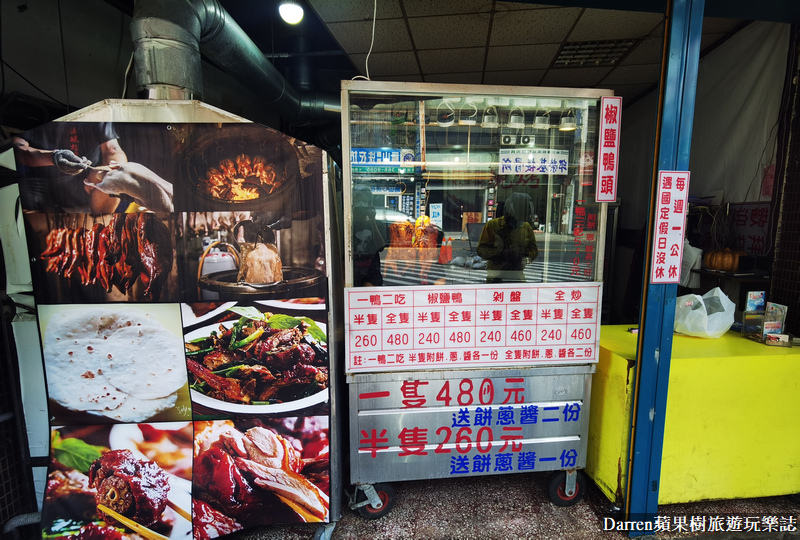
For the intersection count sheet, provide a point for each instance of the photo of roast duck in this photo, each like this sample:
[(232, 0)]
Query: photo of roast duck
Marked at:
[(129, 247), (257, 477)]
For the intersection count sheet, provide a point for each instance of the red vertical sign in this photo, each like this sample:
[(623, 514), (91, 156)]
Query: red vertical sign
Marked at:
[(607, 164), (670, 227)]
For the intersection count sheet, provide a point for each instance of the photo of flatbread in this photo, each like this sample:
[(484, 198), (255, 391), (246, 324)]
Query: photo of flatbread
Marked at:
[(114, 361)]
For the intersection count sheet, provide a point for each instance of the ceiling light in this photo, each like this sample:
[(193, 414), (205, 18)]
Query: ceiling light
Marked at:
[(542, 121), (516, 118), (445, 114), (568, 122), (490, 118), (291, 11), (468, 114)]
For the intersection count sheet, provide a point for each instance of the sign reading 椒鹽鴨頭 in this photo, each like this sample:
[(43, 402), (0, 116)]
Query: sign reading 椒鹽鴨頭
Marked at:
[(670, 226), (607, 164), (464, 326)]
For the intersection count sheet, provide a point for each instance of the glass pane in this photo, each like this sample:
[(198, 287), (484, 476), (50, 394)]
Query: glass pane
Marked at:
[(464, 189)]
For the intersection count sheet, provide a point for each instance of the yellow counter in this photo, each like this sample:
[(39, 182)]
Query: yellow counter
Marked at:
[(732, 427)]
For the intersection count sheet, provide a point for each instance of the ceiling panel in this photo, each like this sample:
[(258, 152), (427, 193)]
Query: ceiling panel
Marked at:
[(452, 60), (399, 78), (390, 63), (511, 6), (533, 26), (515, 78), (648, 51), (629, 92), (716, 25), (455, 78), (608, 24), (425, 8), (449, 32), (521, 57), (502, 42), (581, 77), (354, 37), (355, 10), (639, 74)]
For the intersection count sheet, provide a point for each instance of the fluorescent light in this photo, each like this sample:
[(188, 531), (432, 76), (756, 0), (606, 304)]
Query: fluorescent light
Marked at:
[(291, 11)]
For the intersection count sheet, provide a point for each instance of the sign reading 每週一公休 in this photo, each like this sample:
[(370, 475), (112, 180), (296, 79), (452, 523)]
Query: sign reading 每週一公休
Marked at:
[(670, 226), (421, 328), (607, 164), (533, 161)]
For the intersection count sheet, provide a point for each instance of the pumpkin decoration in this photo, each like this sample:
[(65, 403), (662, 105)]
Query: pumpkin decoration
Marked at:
[(724, 260)]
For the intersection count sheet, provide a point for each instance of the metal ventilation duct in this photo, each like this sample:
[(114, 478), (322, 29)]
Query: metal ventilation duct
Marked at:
[(168, 36)]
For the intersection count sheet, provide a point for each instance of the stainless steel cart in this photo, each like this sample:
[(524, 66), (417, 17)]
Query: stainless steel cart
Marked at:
[(449, 375)]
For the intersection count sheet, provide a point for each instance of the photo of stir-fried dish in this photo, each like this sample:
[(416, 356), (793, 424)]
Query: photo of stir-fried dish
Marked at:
[(261, 359), (94, 491)]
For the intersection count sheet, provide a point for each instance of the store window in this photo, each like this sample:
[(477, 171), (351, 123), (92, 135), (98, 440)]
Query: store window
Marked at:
[(457, 187)]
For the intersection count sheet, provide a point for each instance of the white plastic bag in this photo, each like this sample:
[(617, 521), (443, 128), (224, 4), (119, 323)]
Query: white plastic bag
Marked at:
[(707, 316)]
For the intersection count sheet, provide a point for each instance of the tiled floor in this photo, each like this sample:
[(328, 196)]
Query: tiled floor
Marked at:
[(517, 507)]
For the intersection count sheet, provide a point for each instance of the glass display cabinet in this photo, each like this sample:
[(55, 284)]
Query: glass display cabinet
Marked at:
[(452, 155)]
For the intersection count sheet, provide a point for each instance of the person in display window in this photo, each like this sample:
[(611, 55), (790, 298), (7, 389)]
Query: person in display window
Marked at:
[(368, 241), (507, 242)]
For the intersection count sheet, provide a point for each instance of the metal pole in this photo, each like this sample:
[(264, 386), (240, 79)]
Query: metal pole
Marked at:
[(676, 114)]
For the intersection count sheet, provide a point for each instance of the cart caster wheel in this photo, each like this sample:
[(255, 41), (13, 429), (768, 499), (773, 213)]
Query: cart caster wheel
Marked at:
[(556, 486), (387, 496)]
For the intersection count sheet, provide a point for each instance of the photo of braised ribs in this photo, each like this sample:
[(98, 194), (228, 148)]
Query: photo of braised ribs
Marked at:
[(133, 487), (100, 487)]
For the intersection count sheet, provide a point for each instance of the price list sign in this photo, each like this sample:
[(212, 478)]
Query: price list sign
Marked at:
[(420, 328)]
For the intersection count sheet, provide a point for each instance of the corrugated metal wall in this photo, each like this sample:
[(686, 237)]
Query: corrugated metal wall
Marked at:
[(16, 484), (785, 286)]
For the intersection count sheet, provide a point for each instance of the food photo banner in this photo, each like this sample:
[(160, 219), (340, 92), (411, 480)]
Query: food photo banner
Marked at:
[(180, 279)]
